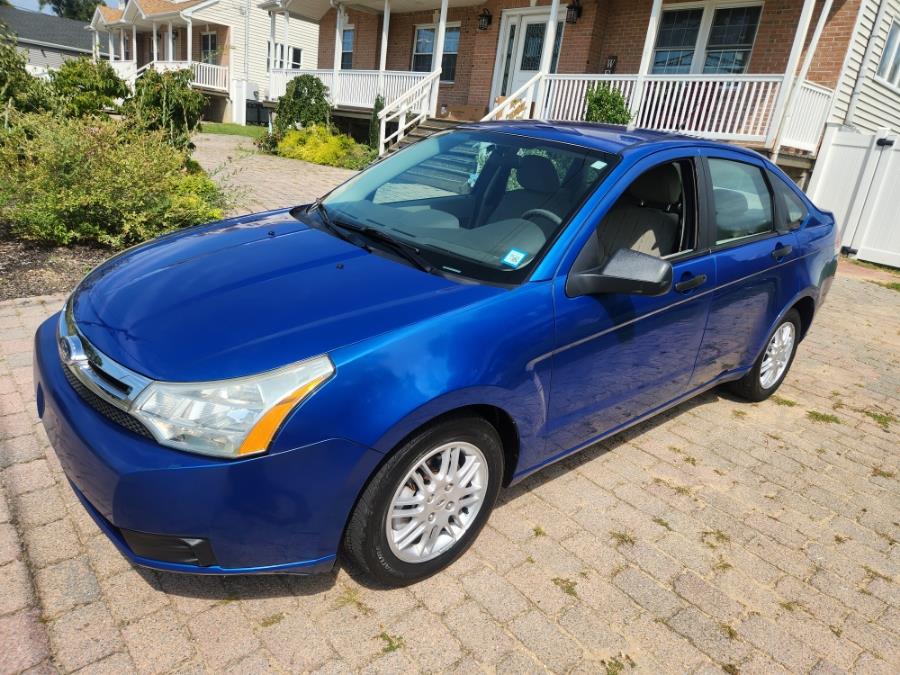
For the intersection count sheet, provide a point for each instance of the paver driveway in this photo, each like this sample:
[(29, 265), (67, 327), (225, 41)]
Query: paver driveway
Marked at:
[(754, 538)]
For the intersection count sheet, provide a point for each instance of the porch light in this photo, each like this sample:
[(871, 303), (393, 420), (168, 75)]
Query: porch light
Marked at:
[(573, 11), (484, 19)]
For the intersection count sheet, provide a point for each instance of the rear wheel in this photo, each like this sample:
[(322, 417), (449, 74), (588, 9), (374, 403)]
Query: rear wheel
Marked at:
[(426, 504), (773, 364)]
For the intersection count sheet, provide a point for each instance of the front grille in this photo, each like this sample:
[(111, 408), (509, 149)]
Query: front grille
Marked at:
[(109, 411)]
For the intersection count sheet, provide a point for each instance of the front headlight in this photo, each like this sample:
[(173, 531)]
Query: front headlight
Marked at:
[(228, 418)]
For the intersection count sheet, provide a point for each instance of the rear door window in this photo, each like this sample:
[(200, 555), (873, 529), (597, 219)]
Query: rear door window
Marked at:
[(742, 201)]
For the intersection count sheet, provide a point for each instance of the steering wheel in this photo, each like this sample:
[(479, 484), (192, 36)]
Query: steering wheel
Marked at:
[(543, 213)]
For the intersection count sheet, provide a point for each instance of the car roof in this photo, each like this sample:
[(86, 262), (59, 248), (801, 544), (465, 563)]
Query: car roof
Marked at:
[(606, 137)]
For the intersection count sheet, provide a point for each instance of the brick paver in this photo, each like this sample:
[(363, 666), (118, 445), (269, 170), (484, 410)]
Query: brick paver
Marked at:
[(722, 535)]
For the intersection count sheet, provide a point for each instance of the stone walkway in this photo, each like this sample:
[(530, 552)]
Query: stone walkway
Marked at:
[(722, 536)]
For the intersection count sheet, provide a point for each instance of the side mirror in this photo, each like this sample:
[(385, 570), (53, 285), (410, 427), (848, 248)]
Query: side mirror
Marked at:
[(628, 272)]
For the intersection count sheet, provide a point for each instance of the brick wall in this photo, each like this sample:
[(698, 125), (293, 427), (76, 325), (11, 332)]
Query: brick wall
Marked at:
[(606, 28)]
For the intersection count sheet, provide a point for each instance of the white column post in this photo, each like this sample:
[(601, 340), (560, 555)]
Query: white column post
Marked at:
[(134, 44), (637, 95), (190, 41), (801, 76), (286, 47), (122, 43), (95, 51), (382, 59), (437, 56), (170, 48), (155, 44), (546, 58), (790, 71), (336, 66), (112, 46), (273, 56)]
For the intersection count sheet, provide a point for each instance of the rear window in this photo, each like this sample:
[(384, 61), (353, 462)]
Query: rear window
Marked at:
[(742, 201)]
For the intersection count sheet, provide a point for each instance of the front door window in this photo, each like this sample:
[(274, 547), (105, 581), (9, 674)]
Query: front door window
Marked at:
[(208, 47), (523, 43)]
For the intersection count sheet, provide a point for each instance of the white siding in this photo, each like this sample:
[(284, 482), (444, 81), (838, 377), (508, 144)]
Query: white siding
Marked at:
[(303, 34), (878, 105), (48, 57)]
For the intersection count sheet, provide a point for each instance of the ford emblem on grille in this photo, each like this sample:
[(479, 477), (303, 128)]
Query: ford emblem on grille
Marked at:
[(71, 349)]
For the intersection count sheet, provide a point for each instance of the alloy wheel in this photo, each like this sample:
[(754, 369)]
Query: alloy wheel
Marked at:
[(778, 355)]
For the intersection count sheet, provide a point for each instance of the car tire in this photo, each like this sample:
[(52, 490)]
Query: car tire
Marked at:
[(759, 383), (391, 553)]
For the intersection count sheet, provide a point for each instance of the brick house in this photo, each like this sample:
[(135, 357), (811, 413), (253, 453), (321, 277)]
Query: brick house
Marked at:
[(736, 70)]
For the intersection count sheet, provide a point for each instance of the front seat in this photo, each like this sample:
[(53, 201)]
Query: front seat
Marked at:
[(540, 186), (646, 218)]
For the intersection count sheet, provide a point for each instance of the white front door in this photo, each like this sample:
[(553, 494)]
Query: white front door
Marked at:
[(521, 45)]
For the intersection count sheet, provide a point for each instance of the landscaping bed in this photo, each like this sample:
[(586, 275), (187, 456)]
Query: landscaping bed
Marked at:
[(28, 269)]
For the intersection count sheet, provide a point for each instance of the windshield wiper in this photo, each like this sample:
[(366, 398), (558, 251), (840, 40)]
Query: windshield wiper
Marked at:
[(337, 231), (402, 248)]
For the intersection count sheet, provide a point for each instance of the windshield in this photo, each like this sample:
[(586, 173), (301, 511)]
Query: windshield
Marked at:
[(476, 203)]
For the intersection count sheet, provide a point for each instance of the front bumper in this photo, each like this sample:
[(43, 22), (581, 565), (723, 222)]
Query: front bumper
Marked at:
[(279, 512)]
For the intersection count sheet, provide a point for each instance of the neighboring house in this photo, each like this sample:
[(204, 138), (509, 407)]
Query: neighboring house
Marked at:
[(221, 41), (758, 72), (47, 40)]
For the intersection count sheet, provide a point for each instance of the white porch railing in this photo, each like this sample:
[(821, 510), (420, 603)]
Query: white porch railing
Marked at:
[(565, 93), (805, 123), (205, 75), (351, 88), (125, 69), (413, 107), (518, 105)]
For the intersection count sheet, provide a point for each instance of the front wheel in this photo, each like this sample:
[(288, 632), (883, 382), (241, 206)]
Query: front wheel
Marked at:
[(771, 367), (427, 503)]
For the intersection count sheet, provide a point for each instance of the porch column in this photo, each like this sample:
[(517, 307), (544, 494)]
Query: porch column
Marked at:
[(122, 43), (546, 57), (155, 44), (134, 43), (637, 95), (437, 56), (112, 46), (286, 48), (190, 41), (789, 71), (273, 52), (382, 60), (801, 76), (336, 66), (169, 45), (95, 50)]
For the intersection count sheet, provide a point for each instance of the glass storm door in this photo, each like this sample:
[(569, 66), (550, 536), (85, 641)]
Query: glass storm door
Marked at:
[(521, 48)]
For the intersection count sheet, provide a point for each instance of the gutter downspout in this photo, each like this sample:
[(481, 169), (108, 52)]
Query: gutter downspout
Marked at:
[(864, 65)]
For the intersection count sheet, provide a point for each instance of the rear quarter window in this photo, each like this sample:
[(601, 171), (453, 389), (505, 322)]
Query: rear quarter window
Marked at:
[(792, 207)]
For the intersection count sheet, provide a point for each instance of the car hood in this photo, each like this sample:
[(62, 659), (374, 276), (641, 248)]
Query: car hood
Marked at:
[(248, 295)]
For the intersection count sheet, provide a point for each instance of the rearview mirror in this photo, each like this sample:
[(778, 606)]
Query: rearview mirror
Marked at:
[(627, 271)]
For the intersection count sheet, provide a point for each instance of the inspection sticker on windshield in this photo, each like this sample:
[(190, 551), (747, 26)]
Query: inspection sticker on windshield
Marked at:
[(513, 258)]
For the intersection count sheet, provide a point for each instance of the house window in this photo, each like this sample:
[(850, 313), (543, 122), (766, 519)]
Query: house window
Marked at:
[(296, 58), (347, 48), (710, 39), (423, 50), (208, 47), (889, 67)]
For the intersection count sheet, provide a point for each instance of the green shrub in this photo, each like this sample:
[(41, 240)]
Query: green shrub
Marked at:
[(320, 145), (267, 143), (165, 101), (604, 104), (83, 87), (375, 123), (305, 102), (93, 180), (18, 88)]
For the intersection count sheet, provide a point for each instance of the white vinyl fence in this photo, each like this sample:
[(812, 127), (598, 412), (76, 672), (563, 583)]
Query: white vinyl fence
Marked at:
[(857, 176)]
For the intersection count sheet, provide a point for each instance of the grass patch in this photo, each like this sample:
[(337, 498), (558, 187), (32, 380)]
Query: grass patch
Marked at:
[(539, 531), (530, 559), (836, 630), (838, 539), (731, 669), (617, 665), (822, 418), (662, 523), (882, 419), (391, 642), (233, 129), (566, 585), (353, 598), (780, 400), (722, 565), (875, 574), (622, 538), (272, 620), (714, 538), (740, 414), (730, 632), (878, 472), (890, 285), (677, 489), (790, 605)]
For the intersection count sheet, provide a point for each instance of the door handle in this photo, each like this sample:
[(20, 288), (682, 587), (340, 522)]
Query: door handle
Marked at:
[(782, 251), (690, 284)]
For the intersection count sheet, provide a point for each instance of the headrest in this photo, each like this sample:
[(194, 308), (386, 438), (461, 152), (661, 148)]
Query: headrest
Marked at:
[(537, 174), (660, 186), (729, 201)]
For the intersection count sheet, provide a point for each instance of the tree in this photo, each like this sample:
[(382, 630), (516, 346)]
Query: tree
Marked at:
[(305, 102), (80, 10), (83, 87)]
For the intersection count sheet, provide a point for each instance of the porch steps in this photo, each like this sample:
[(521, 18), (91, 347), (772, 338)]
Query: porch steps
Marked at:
[(455, 167)]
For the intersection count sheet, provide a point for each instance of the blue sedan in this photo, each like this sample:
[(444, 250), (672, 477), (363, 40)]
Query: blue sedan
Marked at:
[(359, 377)]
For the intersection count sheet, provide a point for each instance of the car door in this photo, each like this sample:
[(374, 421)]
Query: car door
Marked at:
[(620, 356), (754, 261)]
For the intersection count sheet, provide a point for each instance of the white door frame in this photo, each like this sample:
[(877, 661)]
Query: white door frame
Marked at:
[(506, 18)]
